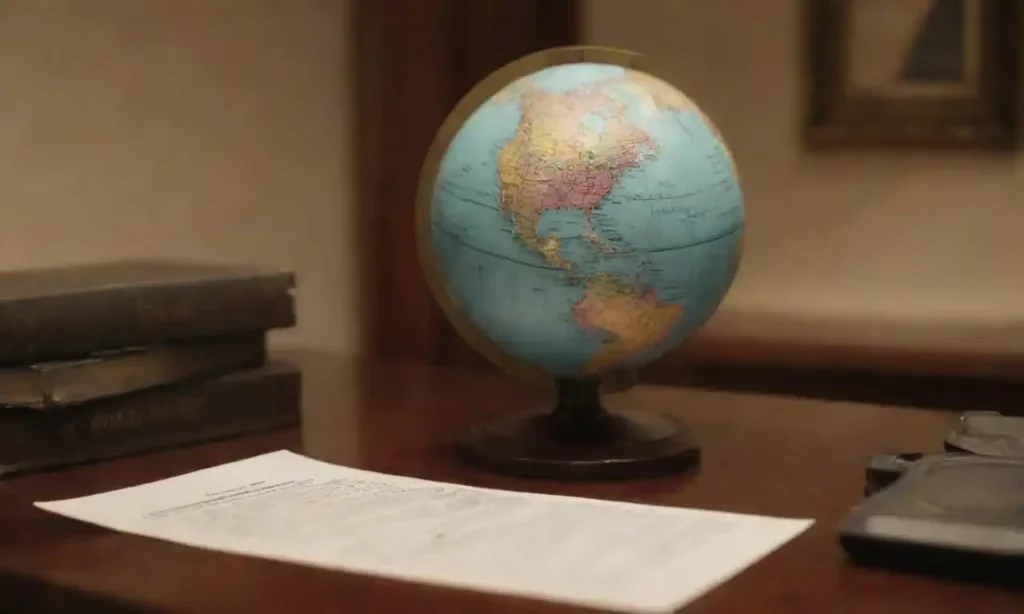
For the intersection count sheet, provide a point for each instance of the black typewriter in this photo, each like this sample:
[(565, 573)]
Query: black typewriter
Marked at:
[(958, 514)]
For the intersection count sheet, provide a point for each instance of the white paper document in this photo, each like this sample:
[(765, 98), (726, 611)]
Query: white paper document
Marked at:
[(607, 555)]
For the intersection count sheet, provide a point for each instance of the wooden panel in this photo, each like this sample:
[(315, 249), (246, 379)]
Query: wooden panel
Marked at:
[(416, 58), (849, 371)]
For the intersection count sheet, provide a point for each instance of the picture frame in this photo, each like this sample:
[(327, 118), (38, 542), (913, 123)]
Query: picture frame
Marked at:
[(912, 73)]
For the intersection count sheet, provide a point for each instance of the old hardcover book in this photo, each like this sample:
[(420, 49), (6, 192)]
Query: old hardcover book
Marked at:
[(202, 410), (114, 372), (69, 312)]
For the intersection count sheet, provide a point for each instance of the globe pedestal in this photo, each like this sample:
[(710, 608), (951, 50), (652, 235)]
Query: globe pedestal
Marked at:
[(581, 440)]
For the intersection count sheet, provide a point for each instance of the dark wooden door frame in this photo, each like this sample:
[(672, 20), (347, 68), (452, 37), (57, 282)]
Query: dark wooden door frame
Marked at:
[(415, 60)]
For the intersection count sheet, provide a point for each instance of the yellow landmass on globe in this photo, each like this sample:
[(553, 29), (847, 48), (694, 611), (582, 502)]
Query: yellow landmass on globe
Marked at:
[(635, 320), (558, 161), (549, 247)]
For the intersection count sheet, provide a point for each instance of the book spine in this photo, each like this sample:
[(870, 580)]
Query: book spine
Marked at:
[(31, 440), (85, 381), (72, 325)]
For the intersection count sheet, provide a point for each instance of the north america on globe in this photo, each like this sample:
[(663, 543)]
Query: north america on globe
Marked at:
[(587, 217)]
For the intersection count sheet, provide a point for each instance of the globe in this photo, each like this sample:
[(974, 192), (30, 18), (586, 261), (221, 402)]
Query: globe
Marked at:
[(579, 215)]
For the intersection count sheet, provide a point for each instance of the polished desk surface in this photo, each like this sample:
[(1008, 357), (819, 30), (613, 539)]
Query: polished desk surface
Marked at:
[(762, 455)]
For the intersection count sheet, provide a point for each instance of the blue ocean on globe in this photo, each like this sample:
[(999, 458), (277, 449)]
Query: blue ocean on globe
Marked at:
[(585, 218)]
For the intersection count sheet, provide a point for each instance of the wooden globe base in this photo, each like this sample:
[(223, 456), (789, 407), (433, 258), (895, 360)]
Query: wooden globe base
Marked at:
[(580, 440)]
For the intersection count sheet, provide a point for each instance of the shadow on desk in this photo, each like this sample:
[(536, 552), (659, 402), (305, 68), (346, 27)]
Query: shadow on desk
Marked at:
[(850, 369), (942, 392)]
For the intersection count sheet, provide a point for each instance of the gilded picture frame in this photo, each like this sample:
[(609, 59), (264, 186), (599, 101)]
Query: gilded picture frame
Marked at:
[(917, 73)]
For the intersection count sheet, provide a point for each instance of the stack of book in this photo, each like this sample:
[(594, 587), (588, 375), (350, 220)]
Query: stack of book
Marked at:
[(108, 359)]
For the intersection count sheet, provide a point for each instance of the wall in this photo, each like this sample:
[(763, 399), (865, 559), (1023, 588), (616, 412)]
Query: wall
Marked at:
[(913, 249), (207, 129)]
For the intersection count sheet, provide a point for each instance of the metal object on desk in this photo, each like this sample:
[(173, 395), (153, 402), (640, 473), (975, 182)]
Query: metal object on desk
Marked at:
[(958, 514), (951, 515), (988, 433)]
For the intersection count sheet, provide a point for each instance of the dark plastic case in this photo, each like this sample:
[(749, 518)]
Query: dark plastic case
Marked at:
[(959, 514)]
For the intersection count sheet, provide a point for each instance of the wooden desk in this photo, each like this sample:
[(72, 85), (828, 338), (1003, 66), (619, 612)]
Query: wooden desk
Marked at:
[(762, 454)]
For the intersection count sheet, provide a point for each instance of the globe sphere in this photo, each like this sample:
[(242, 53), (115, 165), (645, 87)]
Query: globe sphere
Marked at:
[(579, 215)]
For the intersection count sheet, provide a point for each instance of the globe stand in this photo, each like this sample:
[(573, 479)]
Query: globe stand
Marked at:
[(580, 440)]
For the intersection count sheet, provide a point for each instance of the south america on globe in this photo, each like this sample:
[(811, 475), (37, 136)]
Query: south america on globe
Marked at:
[(579, 217)]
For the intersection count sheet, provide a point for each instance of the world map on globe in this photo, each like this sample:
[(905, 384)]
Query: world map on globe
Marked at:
[(586, 217)]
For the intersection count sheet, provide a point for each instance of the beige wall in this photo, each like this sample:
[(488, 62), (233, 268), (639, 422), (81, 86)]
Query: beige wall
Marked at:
[(219, 129), (916, 248), (209, 129)]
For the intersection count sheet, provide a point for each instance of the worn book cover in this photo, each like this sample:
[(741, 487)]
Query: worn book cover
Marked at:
[(201, 410), (61, 313), (59, 384)]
